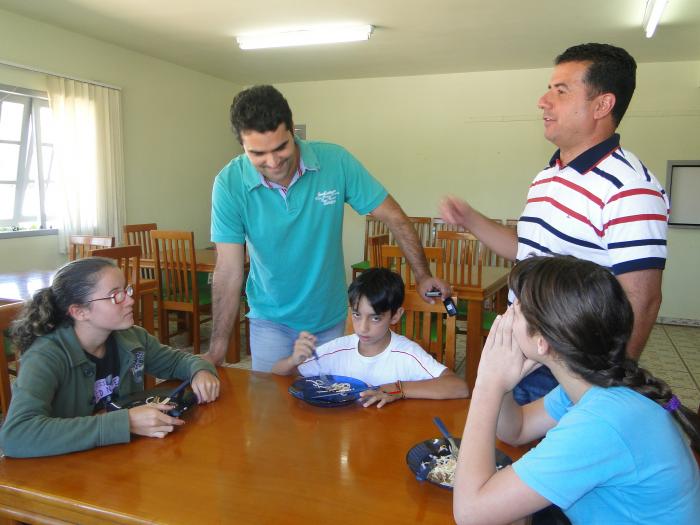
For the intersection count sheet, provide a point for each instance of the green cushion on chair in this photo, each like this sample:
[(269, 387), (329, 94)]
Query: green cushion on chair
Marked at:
[(9, 349), (487, 318), (204, 287), (363, 265)]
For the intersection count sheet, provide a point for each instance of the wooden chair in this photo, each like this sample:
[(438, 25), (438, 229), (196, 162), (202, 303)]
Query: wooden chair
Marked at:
[(80, 246), (373, 227), (463, 264), (140, 235), (393, 258), (176, 275), (438, 224), (8, 313), (375, 249), (431, 327)]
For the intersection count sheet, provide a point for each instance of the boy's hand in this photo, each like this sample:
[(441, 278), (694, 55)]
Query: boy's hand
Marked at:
[(304, 348), (379, 396)]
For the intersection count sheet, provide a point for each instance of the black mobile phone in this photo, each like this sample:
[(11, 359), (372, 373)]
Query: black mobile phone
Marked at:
[(450, 307)]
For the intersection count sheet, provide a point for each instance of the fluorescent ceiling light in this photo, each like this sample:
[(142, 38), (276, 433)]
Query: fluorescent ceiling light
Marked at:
[(652, 14), (306, 37)]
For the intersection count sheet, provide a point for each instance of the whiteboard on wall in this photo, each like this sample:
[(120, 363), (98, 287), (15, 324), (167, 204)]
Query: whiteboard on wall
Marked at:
[(683, 188)]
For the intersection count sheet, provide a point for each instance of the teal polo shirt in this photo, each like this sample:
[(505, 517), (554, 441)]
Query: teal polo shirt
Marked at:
[(297, 274)]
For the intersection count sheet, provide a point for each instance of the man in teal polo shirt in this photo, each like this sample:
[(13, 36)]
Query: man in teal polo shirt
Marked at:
[(285, 198)]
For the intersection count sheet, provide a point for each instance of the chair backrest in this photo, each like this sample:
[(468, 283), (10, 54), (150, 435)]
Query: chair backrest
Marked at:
[(128, 259), (373, 226), (423, 227), (80, 246), (431, 327), (8, 313), (393, 258), (491, 258), (438, 224), (140, 234), (463, 262), (176, 264), (375, 243)]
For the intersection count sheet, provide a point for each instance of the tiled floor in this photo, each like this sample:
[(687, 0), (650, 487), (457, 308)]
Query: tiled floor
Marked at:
[(672, 354)]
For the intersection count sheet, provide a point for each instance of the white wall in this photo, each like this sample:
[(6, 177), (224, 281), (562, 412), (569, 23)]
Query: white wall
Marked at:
[(479, 136), (176, 132)]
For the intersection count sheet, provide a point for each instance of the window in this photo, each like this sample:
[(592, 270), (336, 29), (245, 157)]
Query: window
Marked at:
[(27, 189)]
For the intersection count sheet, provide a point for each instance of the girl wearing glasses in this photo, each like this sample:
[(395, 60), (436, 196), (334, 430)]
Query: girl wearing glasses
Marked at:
[(612, 449), (80, 350)]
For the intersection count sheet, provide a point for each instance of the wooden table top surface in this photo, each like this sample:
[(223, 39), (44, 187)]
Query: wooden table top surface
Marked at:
[(257, 455)]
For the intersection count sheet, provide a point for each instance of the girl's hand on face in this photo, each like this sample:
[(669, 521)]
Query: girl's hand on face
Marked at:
[(206, 386), (503, 363), (152, 421)]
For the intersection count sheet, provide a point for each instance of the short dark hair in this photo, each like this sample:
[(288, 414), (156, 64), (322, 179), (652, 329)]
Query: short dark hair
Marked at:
[(383, 289), (582, 311), (611, 70), (261, 109)]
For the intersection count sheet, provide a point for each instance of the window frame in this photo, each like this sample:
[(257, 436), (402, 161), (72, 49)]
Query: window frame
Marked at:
[(30, 143)]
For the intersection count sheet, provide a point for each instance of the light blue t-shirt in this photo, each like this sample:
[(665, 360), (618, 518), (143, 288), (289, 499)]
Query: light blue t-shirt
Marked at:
[(297, 274), (615, 457)]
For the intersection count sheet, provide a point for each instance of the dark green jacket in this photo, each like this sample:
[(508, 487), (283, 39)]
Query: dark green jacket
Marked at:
[(53, 398)]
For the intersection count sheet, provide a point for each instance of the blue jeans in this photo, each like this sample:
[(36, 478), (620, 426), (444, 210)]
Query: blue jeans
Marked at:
[(270, 342), (534, 386)]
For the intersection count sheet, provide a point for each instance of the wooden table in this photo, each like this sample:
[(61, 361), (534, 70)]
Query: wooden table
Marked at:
[(256, 456), (20, 286), (494, 280)]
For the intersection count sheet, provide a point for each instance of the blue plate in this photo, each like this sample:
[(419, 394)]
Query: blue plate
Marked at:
[(421, 458), (310, 388)]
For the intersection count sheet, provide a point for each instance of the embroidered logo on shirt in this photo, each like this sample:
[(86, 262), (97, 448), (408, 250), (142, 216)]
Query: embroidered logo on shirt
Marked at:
[(327, 197), (137, 367), (105, 387)]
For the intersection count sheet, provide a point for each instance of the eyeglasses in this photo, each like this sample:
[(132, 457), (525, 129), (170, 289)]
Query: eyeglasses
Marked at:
[(117, 297)]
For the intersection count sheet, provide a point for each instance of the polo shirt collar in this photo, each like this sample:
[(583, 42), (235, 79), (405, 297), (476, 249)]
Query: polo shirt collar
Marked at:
[(309, 162), (590, 158)]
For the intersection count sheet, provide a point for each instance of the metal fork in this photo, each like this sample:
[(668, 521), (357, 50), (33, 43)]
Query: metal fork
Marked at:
[(321, 375)]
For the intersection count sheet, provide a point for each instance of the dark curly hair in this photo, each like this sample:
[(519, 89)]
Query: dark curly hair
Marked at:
[(611, 70), (48, 308), (261, 109), (582, 311)]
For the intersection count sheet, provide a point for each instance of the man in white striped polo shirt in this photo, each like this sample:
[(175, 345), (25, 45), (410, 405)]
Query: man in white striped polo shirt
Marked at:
[(595, 200)]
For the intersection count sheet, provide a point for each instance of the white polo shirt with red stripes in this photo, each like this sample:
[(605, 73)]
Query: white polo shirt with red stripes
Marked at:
[(605, 206), (402, 360)]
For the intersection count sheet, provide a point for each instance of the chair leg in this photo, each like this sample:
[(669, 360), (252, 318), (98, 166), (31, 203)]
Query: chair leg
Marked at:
[(194, 333), (163, 328)]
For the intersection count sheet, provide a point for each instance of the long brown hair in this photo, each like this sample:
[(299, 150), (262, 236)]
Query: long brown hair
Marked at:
[(48, 308), (582, 311)]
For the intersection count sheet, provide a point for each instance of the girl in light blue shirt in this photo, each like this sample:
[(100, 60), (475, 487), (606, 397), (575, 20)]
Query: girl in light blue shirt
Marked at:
[(612, 451)]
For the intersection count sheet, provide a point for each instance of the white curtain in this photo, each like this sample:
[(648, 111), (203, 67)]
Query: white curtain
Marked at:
[(88, 157)]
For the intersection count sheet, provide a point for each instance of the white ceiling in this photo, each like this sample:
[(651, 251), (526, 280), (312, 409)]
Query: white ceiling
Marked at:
[(411, 37)]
